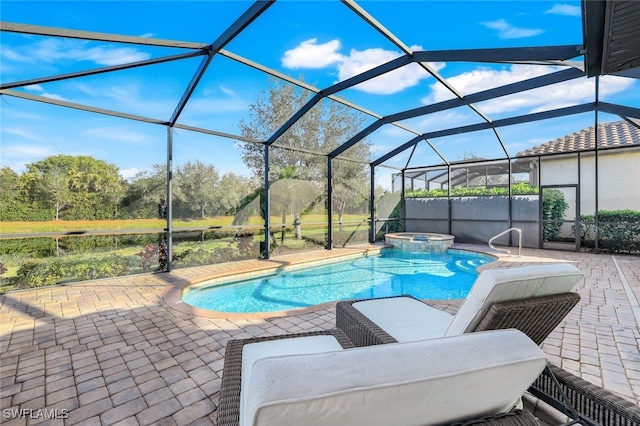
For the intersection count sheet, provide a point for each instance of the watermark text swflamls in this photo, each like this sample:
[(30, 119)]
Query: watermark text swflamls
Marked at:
[(40, 413)]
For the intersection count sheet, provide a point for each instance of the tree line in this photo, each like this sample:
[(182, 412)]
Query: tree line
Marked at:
[(67, 187)]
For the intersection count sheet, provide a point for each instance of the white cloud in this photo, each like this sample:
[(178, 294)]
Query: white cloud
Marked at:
[(310, 54), (53, 50), (127, 96), (92, 90), (11, 61), (565, 9), (10, 54), (507, 31), (16, 115), (228, 91), (444, 119), (550, 97), (17, 155), (34, 88), (130, 173), (112, 56), (360, 61), (53, 96), (215, 101), (125, 93), (41, 92), (395, 81), (21, 133), (484, 78)]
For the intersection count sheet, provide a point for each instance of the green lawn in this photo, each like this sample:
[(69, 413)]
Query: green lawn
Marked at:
[(137, 224)]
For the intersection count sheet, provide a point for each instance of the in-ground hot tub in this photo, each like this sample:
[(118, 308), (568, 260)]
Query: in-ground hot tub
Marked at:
[(420, 241)]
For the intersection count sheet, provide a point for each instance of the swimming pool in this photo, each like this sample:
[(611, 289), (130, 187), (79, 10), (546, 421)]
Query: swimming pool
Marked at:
[(392, 272)]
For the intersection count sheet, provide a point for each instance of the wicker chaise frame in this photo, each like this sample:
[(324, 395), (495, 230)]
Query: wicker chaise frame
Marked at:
[(593, 404), (536, 317), (229, 405)]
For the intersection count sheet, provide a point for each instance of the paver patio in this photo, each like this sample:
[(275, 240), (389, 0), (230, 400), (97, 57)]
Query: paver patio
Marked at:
[(125, 351)]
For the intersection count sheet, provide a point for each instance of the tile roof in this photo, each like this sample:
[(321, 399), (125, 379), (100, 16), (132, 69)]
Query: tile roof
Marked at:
[(610, 135)]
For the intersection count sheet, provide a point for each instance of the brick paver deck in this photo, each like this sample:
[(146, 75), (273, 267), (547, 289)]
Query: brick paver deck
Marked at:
[(124, 351)]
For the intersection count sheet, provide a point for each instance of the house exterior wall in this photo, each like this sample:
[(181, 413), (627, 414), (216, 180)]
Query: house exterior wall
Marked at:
[(618, 179), (476, 219)]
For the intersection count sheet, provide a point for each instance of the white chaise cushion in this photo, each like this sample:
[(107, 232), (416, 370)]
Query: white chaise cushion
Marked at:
[(499, 285), (406, 319), (424, 382), (280, 347)]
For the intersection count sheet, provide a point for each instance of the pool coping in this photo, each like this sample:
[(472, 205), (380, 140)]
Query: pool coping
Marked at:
[(172, 295)]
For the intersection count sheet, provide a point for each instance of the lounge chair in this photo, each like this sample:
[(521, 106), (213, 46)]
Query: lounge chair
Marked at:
[(535, 316), (533, 299), (316, 379)]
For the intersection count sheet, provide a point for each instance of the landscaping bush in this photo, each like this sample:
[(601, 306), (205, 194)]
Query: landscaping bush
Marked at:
[(33, 247), (88, 244), (97, 267), (199, 257), (516, 189), (619, 231), (151, 255), (39, 274), (553, 208), (46, 247)]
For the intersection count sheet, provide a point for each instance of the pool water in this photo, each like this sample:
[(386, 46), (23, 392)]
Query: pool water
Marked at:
[(393, 272)]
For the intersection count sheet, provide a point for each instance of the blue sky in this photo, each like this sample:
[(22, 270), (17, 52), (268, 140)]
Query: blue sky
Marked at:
[(321, 41)]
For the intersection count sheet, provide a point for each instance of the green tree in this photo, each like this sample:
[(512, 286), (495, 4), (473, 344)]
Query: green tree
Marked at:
[(270, 111), (12, 202), (198, 183), (147, 195), (47, 184), (78, 187), (99, 184), (292, 195), (313, 136), (233, 189), (350, 178), (348, 193)]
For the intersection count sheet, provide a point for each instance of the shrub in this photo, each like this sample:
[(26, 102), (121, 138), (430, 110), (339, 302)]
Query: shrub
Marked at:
[(149, 255), (39, 274), (34, 247), (199, 257), (619, 231), (553, 208), (46, 247), (104, 267), (516, 189)]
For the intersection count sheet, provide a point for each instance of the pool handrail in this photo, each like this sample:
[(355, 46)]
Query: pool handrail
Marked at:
[(518, 230)]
